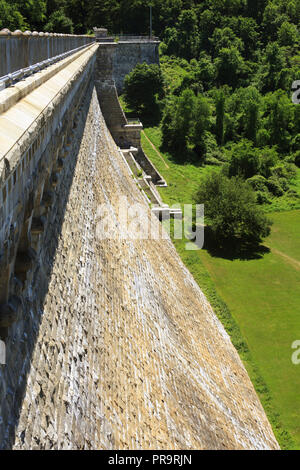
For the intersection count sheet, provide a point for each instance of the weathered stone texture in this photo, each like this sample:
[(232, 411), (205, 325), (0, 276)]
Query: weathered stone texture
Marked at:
[(129, 354), (33, 188), (128, 54)]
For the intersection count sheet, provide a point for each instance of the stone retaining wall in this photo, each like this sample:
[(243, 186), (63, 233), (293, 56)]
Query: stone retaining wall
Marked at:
[(129, 354), (130, 53), (34, 188)]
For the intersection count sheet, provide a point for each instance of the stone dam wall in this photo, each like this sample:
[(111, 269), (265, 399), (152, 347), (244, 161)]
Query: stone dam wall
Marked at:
[(126, 52), (110, 343), (36, 135), (130, 53)]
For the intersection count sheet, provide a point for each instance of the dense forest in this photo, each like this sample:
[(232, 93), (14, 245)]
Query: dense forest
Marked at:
[(224, 92), (223, 95)]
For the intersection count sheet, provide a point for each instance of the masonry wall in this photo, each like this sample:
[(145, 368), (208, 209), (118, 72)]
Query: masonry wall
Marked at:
[(130, 53), (36, 173)]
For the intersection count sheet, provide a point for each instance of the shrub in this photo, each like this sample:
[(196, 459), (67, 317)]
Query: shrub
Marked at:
[(258, 183), (284, 184), (274, 186), (297, 158), (284, 170), (142, 86), (262, 198)]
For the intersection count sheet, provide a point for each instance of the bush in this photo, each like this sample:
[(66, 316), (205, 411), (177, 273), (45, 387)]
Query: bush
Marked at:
[(258, 183), (245, 161), (297, 158), (262, 198), (274, 186), (284, 170), (284, 184), (231, 211)]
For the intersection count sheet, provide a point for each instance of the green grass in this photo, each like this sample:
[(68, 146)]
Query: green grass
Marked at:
[(183, 180), (263, 297), (287, 202), (256, 300)]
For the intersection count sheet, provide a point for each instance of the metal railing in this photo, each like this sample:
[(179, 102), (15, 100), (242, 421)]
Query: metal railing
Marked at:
[(127, 37), (14, 77), (133, 120)]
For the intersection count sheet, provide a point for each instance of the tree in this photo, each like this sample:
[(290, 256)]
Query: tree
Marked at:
[(287, 34), (247, 30), (245, 160), (205, 72), (143, 86), (34, 11), (250, 106), (182, 121), (171, 41), (76, 10), (274, 61), (268, 159), (183, 39), (220, 114), (178, 123), (167, 125), (188, 34), (10, 17), (202, 114), (255, 8), (280, 112), (272, 20), (225, 38), (231, 212), (230, 65)]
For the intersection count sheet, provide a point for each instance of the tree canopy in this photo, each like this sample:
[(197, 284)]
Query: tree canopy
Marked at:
[(224, 87)]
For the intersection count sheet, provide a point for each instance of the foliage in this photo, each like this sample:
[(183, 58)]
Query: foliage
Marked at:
[(143, 86), (59, 22), (231, 211), (11, 17), (244, 160)]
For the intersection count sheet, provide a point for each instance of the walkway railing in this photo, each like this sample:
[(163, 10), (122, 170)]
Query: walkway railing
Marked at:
[(12, 78), (24, 53), (127, 37)]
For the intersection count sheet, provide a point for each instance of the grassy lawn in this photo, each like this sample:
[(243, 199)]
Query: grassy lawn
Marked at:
[(183, 180), (257, 300)]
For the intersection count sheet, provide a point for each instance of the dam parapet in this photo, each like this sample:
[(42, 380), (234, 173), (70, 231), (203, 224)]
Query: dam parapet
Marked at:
[(129, 51), (25, 53)]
